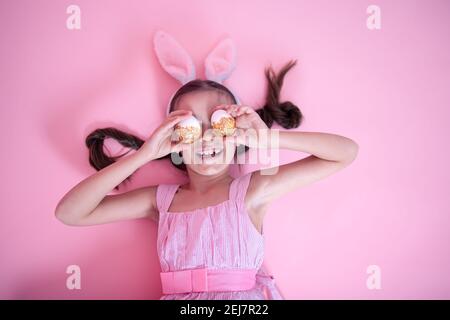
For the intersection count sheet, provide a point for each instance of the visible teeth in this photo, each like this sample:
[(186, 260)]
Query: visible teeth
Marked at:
[(208, 153)]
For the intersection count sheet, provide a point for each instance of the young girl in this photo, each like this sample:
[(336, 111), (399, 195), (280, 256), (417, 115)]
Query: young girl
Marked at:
[(210, 230)]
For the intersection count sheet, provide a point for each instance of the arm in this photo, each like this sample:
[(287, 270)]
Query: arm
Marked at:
[(88, 203), (329, 154)]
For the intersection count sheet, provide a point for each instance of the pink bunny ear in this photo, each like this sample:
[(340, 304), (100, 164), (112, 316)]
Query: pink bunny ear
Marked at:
[(173, 57), (221, 61)]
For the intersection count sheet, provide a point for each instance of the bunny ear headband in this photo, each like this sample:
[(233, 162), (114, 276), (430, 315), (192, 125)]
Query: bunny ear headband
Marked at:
[(176, 61)]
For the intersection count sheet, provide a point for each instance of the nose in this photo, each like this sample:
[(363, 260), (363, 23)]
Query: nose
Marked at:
[(210, 138), (208, 135), (207, 131)]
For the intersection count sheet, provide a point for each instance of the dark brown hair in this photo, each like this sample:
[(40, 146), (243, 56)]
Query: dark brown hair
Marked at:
[(285, 114)]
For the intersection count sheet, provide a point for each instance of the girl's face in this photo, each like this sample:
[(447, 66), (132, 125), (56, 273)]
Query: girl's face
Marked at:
[(202, 103)]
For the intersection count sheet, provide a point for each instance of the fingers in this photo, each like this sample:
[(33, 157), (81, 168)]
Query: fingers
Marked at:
[(234, 110), (179, 146), (174, 119), (237, 110), (244, 110), (231, 109), (179, 112)]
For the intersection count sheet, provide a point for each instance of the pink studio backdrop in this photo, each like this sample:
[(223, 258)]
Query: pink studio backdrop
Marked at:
[(387, 89)]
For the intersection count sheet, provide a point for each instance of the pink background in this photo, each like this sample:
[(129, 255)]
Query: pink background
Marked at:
[(386, 89)]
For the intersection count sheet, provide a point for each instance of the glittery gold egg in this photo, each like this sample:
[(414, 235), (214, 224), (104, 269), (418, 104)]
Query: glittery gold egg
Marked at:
[(187, 130), (223, 123)]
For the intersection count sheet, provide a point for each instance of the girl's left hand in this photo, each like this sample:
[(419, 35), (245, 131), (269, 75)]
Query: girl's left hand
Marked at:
[(248, 124)]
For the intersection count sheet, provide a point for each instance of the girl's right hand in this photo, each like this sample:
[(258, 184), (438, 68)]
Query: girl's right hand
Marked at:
[(160, 143)]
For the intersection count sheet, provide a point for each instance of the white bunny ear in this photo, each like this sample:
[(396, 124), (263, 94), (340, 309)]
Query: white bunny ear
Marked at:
[(221, 61), (173, 57)]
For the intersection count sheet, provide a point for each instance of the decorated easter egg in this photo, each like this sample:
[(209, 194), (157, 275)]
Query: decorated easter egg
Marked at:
[(187, 130), (223, 123)]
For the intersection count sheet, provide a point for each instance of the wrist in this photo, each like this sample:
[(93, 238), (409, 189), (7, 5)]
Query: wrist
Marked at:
[(143, 157), (267, 138)]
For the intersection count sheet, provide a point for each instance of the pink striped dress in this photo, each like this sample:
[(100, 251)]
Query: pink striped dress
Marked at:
[(218, 236)]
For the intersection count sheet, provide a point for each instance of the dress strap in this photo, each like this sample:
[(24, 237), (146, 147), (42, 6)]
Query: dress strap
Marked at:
[(239, 186), (164, 196)]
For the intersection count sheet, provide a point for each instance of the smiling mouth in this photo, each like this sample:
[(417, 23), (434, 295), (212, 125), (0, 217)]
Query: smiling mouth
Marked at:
[(206, 154)]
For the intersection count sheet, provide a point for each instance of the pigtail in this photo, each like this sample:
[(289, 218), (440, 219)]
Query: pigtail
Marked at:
[(95, 142), (286, 114), (98, 159)]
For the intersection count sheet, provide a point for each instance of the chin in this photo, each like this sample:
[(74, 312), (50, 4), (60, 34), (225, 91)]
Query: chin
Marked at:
[(208, 169)]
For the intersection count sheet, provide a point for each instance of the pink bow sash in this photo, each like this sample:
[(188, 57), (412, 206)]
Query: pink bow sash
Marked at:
[(204, 279), (268, 281)]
